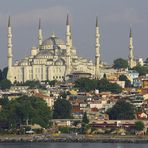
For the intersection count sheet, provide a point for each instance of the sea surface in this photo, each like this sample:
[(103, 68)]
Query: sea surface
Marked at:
[(72, 145)]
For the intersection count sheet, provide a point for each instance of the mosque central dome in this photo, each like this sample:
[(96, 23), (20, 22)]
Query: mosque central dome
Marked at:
[(53, 40)]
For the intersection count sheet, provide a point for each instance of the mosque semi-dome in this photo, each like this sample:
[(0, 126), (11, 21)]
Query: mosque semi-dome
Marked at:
[(44, 53)]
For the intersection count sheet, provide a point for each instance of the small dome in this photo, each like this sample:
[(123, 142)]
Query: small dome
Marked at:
[(60, 62), (53, 40)]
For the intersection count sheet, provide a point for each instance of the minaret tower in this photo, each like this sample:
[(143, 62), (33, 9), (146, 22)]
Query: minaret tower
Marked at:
[(9, 74), (68, 50), (40, 36), (97, 57), (131, 51), (71, 44)]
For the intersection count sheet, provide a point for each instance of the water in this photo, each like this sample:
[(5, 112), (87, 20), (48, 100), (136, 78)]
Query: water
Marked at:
[(72, 145)]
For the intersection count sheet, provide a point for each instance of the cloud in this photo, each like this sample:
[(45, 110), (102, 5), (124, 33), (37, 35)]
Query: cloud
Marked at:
[(130, 16), (52, 15)]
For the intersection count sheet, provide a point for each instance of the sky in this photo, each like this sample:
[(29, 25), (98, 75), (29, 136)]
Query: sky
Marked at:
[(115, 19)]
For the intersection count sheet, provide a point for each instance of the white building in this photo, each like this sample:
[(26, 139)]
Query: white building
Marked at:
[(53, 59)]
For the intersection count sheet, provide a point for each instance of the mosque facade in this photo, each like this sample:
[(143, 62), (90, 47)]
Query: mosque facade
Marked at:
[(53, 59), (56, 59)]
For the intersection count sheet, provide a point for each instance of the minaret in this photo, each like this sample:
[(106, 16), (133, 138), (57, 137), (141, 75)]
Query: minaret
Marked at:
[(97, 57), (71, 44), (40, 36), (9, 74), (131, 51), (68, 50)]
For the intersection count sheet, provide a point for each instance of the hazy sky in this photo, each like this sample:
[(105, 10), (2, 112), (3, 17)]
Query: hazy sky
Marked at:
[(115, 17)]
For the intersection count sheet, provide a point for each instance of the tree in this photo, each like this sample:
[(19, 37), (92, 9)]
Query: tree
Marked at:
[(62, 109), (65, 130), (139, 125), (5, 84), (120, 63), (124, 78), (141, 70), (4, 101), (26, 110), (5, 71), (85, 118), (114, 88), (84, 124), (105, 85), (104, 76), (85, 84), (43, 113), (122, 110), (1, 75), (32, 84)]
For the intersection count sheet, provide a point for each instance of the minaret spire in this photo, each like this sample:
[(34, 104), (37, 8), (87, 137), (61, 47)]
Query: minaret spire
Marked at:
[(131, 51), (97, 21), (9, 22), (9, 74), (68, 50), (97, 57), (130, 33), (39, 23), (67, 20), (40, 36)]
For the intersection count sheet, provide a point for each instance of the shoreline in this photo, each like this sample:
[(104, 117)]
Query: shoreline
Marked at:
[(74, 139)]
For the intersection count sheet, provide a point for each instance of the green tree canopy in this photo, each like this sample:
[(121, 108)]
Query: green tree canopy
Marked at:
[(139, 125), (104, 76), (32, 84), (62, 109), (85, 84), (84, 124), (124, 78), (120, 63), (5, 84), (114, 88), (85, 118), (122, 110), (26, 110), (141, 70), (103, 84), (1, 75), (4, 101), (5, 71)]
